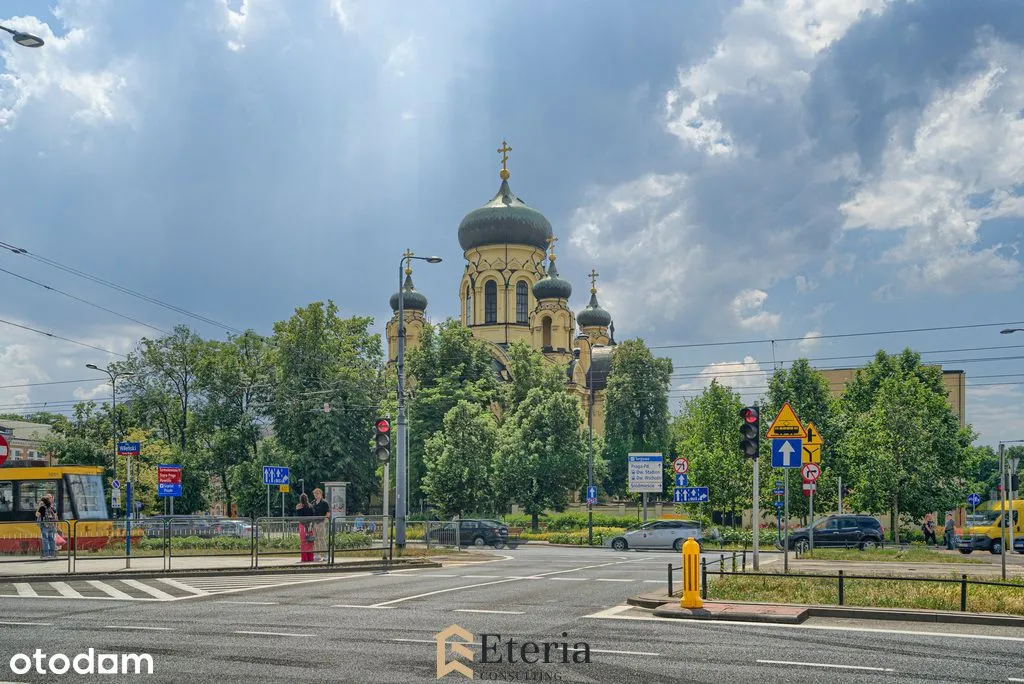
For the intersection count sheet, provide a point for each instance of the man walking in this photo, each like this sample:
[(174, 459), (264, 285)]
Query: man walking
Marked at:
[(949, 532)]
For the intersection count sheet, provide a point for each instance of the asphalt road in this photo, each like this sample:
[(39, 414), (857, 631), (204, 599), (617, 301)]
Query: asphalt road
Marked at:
[(380, 628)]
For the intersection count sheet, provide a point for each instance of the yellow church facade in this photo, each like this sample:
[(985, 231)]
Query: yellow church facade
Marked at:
[(511, 291)]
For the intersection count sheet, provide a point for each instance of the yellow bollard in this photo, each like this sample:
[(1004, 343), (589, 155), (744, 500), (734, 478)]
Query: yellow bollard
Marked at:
[(691, 575)]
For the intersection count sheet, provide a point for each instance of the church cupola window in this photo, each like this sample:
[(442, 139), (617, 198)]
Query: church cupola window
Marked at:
[(469, 305), (490, 302), (522, 302), (546, 333)]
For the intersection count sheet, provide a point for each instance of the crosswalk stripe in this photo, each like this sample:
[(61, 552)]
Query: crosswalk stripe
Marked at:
[(110, 591), (184, 587), (25, 589), (152, 591), (65, 590)]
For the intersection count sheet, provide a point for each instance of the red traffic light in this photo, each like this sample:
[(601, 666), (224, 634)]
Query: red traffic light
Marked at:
[(749, 414), (383, 425)]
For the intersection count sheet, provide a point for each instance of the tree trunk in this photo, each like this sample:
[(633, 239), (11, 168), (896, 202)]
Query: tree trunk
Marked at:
[(535, 522), (895, 519), (227, 492)]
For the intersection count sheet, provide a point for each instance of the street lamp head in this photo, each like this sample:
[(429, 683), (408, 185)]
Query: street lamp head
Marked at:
[(92, 366), (27, 40), (1007, 331), (434, 260)]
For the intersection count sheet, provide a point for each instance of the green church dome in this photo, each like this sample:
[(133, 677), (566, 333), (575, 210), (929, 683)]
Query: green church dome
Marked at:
[(593, 315), (505, 220), (552, 286), (413, 300)]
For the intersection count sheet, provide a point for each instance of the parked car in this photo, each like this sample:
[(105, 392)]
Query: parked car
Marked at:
[(657, 534), (985, 527), (839, 531), (472, 532)]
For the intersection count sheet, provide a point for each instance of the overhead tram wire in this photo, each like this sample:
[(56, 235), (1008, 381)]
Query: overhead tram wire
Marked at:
[(20, 251), (65, 339), (84, 301)]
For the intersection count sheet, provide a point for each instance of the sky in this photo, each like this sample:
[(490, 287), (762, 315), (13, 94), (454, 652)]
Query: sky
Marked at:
[(803, 171)]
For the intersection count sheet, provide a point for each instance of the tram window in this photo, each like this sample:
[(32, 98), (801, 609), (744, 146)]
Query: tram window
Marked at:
[(30, 493), (6, 497), (87, 497)]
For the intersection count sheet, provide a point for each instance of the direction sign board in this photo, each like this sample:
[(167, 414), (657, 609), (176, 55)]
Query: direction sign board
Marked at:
[(680, 465), (128, 448), (812, 445), (275, 475), (4, 449), (974, 499), (786, 424), (682, 480), (778, 491), (690, 495), (645, 473), (786, 452), (168, 480), (780, 504), (810, 471), (592, 494)]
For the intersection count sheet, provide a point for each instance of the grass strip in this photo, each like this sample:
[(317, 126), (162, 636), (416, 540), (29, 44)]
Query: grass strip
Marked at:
[(908, 555)]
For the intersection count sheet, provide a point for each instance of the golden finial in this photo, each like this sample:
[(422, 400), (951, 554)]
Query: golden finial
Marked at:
[(593, 281), (551, 247), (408, 261), (503, 151)]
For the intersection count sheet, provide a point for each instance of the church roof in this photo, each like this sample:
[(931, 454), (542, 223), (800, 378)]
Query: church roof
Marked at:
[(552, 286), (412, 300), (593, 316)]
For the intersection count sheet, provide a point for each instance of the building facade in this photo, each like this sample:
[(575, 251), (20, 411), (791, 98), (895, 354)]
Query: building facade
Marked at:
[(511, 291), (25, 440), (955, 382)]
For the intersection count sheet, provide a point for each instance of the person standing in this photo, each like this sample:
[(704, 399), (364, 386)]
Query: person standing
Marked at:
[(949, 532), (928, 528), (46, 515), (306, 532), (322, 516)]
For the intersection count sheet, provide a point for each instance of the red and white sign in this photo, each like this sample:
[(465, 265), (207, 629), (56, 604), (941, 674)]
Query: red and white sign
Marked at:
[(4, 450), (809, 487), (168, 475), (810, 471), (680, 465)]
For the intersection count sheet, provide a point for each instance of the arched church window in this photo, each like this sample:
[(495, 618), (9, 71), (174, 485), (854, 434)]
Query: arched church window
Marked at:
[(490, 302), (546, 332), (522, 302), (469, 305)]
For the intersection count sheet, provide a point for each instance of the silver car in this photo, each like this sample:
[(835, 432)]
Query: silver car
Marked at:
[(658, 534)]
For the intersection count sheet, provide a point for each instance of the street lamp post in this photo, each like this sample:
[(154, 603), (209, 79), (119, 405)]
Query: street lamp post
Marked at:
[(400, 464), (590, 448), (23, 39), (113, 375)]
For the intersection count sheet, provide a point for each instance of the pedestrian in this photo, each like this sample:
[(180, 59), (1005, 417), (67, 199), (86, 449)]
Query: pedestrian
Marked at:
[(307, 536), (949, 532), (46, 514), (928, 528), (322, 515)]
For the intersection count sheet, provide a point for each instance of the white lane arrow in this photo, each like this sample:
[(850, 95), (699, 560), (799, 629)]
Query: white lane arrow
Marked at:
[(787, 452)]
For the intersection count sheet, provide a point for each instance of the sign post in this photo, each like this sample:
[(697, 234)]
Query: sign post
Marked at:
[(810, 472), (787, 435), (168, 482), (974, 500), (275, 476), (646, 474), (128, 449)]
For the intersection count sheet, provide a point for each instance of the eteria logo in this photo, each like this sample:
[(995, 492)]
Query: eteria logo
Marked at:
[(494, 649), (457, 637)]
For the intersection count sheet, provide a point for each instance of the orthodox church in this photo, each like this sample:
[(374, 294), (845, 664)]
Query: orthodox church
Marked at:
[(509, 294)]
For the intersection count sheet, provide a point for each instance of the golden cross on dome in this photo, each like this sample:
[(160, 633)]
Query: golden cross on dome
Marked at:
[(503, 151), (593, 280), (551, 246), (408, 261)]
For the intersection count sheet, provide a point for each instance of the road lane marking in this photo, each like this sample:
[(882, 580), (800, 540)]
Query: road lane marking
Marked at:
[(609, 579), (493, 612), (27, 624), (65, 590), (481, 576), (250, 603), (569, 579), (827, 665), (144, 628), (110, 591), (601, 650), (1014, 679), (280, 634), (152, 591), (184, 587), (25, 589), (349, 605)]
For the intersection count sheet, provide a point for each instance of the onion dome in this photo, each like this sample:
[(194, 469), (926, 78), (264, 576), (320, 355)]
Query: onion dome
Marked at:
[(552, 286), (593, 316), (412, 300), (505, 220)]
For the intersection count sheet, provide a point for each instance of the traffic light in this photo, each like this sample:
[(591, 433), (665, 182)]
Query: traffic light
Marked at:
[(382, 440), (750, 431)]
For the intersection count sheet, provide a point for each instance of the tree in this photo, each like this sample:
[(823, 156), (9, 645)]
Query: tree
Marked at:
[(246, 478), (707, 434), (458, 460), (541, 456), (917, 452), (528, 369), (636, 408), (320, 358)]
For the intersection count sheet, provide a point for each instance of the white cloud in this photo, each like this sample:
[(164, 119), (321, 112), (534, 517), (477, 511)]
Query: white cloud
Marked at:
[(746, 377), (805, 285), (810, 342), (340, 11), (748, 308)]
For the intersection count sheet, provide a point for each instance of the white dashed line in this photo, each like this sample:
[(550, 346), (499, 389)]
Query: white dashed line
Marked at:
[(827, 665), (280, 634), (492, 612), (144, 628)]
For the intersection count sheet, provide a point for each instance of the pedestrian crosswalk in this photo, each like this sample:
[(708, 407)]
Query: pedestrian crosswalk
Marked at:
[(153, 589)]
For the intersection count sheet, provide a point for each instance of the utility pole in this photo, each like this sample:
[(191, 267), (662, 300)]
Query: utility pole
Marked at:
[(840, 495), (1002, 529), (590, 454)]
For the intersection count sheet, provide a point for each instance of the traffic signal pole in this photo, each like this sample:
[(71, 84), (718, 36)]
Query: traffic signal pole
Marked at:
[(757, 514)]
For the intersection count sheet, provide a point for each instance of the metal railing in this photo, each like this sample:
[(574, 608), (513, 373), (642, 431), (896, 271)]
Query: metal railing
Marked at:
[(734, 555)]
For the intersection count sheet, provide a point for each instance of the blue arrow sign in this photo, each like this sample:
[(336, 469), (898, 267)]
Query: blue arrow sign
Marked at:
[(787, 453), (779, 504), (275, 475), (682, 480), (690, 495), (591, 492), (974, 499), (778, 491)]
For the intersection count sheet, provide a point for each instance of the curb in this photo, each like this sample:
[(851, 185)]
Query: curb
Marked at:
[(672, 610), (199, 572)]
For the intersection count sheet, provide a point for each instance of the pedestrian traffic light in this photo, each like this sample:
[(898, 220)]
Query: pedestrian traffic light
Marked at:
[(750, 432), (382, 440)]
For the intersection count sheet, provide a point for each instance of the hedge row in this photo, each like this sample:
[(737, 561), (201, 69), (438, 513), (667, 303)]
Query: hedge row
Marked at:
[(288, 542)]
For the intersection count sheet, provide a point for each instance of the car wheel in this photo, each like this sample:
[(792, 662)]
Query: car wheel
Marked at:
[(479, 541), (966, 551), (620, 544), (801, 546), (677, 545), (997, 548), (498, 544), (870, 544)]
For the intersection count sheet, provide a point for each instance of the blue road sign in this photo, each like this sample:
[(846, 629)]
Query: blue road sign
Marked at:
[(116, 484), (787, 453), (682, 480), (974, 499), (780, 504), (168, 489), (128, 448), (275, 475), (592, 492), (690, 495), (778, 491)]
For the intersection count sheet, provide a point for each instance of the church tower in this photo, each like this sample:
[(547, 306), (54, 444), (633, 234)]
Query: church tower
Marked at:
[(503, 243), (552, 321), (415, 305), (593, 320)]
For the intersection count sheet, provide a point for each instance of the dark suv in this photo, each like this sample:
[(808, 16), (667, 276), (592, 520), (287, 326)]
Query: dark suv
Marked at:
[(839, 531), (472, 532)]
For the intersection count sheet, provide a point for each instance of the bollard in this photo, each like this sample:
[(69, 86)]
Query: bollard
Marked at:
[(691, 579), (704, 578), (670, 579), (721, 564), (744, 560), (963, 593), (842, 592), (734, 562)]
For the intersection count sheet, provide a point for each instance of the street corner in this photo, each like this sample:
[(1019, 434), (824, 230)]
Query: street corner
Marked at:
[(739, 612)]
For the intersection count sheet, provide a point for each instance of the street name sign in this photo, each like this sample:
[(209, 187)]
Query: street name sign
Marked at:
[(275, 475), (779, 504), (690, 495), (682, 480), (645, 473), (786, 424), (786, 452), (974, 499), (168, 480), (778, 491), (810, 471), (812, 445), (128, 448), (680, 465)]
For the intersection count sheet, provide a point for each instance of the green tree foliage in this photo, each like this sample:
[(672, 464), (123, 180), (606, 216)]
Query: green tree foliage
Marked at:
[(320, 358), (246, 480), (528, 370), (636, 408), (458, 461), (707, 434), (542, 454), (449, 366)]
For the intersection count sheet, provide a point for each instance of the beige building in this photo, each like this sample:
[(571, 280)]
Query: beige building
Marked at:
[(511, 291), (25, 440), (955, 382)]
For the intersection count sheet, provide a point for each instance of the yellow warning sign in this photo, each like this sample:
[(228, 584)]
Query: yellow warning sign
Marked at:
[(786, 424), (812, 445), (284, 489)]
